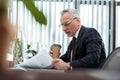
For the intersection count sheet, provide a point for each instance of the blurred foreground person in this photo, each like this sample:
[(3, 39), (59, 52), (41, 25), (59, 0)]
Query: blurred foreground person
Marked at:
[(6, 34)]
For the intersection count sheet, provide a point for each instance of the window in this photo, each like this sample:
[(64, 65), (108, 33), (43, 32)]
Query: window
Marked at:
[(117, 23)]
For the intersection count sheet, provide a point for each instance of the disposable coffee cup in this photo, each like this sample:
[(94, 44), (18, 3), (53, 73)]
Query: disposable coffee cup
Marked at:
[(56, 50)]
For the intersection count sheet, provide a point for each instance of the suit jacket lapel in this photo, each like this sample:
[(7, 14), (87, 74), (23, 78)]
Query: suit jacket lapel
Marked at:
[(79, 37)]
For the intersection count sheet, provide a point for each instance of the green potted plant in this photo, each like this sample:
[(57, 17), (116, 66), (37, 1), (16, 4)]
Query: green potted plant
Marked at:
[(30, 51)]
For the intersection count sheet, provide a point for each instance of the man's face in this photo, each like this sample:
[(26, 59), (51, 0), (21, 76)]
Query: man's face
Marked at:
[(69, 24)]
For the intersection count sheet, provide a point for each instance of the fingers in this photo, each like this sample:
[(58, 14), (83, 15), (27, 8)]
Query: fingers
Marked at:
[(56, 60), (60, 64), (57, 64), (51, 53)]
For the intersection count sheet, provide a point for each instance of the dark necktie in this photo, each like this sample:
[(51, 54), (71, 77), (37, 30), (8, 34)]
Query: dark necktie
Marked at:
[(73, 48)]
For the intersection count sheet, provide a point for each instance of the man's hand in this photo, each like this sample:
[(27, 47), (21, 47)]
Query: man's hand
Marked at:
[(51, 53), (60, 64)]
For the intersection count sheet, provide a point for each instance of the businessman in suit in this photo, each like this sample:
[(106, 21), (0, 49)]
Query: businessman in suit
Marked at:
[(86, 49)]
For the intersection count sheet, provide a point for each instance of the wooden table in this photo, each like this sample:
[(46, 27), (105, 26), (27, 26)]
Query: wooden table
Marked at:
[(50, 74)]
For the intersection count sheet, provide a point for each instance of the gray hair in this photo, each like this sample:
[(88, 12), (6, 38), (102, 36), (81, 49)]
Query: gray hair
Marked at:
[(73, 12)]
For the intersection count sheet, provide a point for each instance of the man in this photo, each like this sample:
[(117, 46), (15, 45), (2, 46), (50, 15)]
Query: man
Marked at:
[(89, 49)]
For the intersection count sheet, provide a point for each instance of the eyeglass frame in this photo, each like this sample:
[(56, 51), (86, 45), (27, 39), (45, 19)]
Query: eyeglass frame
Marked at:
[(68, 22)]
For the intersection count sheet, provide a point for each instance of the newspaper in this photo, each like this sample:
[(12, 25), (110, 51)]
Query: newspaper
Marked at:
[(40, 60)]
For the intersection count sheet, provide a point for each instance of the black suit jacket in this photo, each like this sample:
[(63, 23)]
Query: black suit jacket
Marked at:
[(89, 50)]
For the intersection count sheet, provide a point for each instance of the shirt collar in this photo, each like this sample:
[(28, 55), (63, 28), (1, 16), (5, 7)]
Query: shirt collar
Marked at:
[(76, 34)]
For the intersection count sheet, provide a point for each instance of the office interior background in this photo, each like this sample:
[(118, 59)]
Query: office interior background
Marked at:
[(102, 15)]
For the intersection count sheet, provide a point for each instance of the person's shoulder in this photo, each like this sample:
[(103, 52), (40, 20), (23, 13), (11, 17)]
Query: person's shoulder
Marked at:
[(92, 32), (89, 29)]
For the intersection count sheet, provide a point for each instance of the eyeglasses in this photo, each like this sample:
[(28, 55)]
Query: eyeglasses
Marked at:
[(68, 23)]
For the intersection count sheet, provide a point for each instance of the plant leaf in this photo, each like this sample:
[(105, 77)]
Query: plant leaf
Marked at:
[(28, 46), (38, 15)]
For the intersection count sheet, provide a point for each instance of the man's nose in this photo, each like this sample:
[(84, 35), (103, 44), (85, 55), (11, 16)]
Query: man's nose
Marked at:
[(64, 28)]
